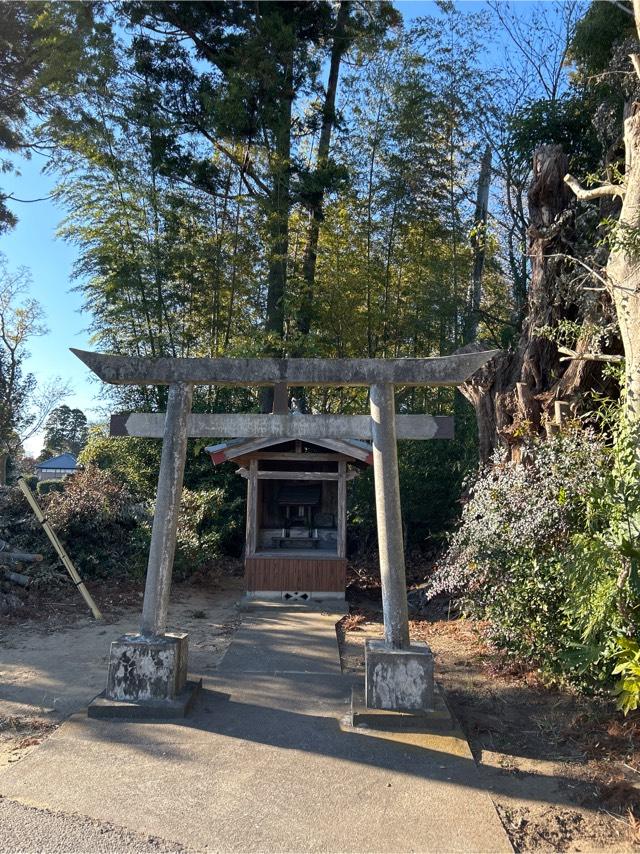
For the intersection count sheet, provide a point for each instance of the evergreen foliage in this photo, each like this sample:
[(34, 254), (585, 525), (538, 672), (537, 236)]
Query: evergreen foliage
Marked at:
[(65, 431), (170, 190), (548, 553), (44, 487)]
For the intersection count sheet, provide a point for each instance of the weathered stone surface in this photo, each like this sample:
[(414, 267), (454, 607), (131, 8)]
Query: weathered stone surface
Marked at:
[(151, 425), (140, 370), (179, 707), (386, 478), (147, 669), (437, 719), (399, 679), (165, 518)]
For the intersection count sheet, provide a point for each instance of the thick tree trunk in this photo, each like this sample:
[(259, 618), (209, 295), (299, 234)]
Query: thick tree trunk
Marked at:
[(310, 254), (278, 227), (479, 245), (623, 267), (515, 393), (277, 210)]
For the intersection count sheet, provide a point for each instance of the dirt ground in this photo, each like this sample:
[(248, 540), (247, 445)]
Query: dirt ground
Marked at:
[(564, 771), (40, 683)]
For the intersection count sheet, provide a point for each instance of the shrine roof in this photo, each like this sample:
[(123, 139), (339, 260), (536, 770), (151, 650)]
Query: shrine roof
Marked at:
[(356, 448)]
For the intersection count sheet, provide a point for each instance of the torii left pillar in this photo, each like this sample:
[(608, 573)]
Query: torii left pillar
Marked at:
[(148, 671)]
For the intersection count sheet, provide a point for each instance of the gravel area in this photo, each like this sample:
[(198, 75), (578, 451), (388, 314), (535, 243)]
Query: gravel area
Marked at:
[(26, 829)]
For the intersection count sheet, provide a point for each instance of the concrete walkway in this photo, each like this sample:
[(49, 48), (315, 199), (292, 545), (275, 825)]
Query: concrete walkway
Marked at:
[(267, 762)]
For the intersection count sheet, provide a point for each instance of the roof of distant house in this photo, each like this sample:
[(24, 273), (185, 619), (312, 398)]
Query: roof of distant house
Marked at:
[(63, 461)]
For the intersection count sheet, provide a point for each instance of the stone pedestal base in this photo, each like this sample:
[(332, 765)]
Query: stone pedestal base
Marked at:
[(161, 710), (146, 675), (399, 680), (436, 720)]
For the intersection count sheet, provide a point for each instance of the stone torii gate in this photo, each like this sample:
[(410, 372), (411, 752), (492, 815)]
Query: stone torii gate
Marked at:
[(148, 671)]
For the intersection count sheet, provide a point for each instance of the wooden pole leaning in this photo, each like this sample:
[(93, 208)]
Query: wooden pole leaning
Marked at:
[(165, 518), (55, 542)]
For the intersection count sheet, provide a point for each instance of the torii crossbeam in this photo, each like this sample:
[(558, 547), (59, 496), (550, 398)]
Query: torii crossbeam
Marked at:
[(155, 671)]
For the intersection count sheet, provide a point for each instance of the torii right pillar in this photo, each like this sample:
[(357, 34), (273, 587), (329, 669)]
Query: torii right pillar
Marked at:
[(399, 674)]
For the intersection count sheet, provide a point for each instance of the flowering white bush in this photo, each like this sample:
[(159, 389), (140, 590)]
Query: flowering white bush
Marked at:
[(539, 554), (527, 508)]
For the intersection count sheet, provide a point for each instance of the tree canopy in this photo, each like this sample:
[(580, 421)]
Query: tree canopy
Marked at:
[(65, 431)]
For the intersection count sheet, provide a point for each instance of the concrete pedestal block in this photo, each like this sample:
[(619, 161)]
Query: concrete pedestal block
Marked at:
[(142, 669), (147, 679), (399, 680)]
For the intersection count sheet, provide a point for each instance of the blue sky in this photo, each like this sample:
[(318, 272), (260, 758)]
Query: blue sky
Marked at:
[(33, 244)]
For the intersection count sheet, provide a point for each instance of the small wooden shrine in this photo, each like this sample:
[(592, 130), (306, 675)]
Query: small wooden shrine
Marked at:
[(296, 537)]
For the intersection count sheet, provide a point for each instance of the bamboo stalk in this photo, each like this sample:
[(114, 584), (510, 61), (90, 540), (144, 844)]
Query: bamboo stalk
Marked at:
[(55, 542)]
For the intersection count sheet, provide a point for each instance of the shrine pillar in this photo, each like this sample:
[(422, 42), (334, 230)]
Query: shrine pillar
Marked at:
[(398, 674), (148, 672)]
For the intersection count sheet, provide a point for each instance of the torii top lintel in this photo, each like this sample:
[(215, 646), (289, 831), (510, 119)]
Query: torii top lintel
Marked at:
[(139, 370)]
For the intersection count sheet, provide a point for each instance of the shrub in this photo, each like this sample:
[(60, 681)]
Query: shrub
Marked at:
[(133, 462), (44, 487), (107, 531), (212, 522), (627, 655), (547, 553), (96, 519), (32, 482), (211, 525)]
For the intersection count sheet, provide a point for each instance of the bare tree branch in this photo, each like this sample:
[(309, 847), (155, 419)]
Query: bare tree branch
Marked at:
[(595, 193), (44, 401), (622, 6), (13, 198), (589, 269), (572, 356)]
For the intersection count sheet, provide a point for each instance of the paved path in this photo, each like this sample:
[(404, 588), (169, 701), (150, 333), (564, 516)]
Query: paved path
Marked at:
[(267, 762)]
